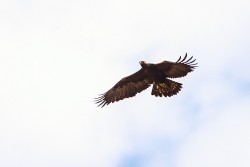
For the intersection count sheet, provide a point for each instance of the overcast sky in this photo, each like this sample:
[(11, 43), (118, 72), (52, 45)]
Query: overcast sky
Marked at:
[(56, 56)]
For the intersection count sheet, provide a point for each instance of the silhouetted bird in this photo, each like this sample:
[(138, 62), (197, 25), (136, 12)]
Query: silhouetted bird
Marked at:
[(156, 74)]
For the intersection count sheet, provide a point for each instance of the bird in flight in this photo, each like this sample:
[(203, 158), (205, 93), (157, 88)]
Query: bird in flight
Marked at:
[(156, 74)]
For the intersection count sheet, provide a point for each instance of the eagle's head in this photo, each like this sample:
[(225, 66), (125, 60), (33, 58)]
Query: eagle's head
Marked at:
[(143, 63)]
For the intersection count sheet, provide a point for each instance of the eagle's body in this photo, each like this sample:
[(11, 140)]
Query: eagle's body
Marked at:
[(156, 74)]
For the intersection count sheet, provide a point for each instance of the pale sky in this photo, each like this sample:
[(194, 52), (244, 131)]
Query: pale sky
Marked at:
[(56, 56)]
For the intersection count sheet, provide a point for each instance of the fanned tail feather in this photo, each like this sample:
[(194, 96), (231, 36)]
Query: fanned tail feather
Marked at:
[(166, 88)]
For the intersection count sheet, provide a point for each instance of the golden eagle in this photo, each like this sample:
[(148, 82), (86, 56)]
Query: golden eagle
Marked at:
[(156, 74)]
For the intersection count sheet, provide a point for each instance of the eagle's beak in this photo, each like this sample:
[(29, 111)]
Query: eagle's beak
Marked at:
[(142, 62)]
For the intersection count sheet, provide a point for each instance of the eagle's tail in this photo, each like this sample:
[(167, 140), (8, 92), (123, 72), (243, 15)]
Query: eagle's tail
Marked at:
[(166, 88)]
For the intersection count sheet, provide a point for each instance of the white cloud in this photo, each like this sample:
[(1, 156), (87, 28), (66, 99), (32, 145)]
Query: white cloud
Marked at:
[(222, 141)]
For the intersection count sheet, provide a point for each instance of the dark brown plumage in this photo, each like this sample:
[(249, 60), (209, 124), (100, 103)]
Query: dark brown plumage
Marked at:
[(156, 74)]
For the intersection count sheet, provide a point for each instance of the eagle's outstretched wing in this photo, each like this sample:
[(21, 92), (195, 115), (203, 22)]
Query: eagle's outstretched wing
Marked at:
[(180, 68), (127, 87)]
